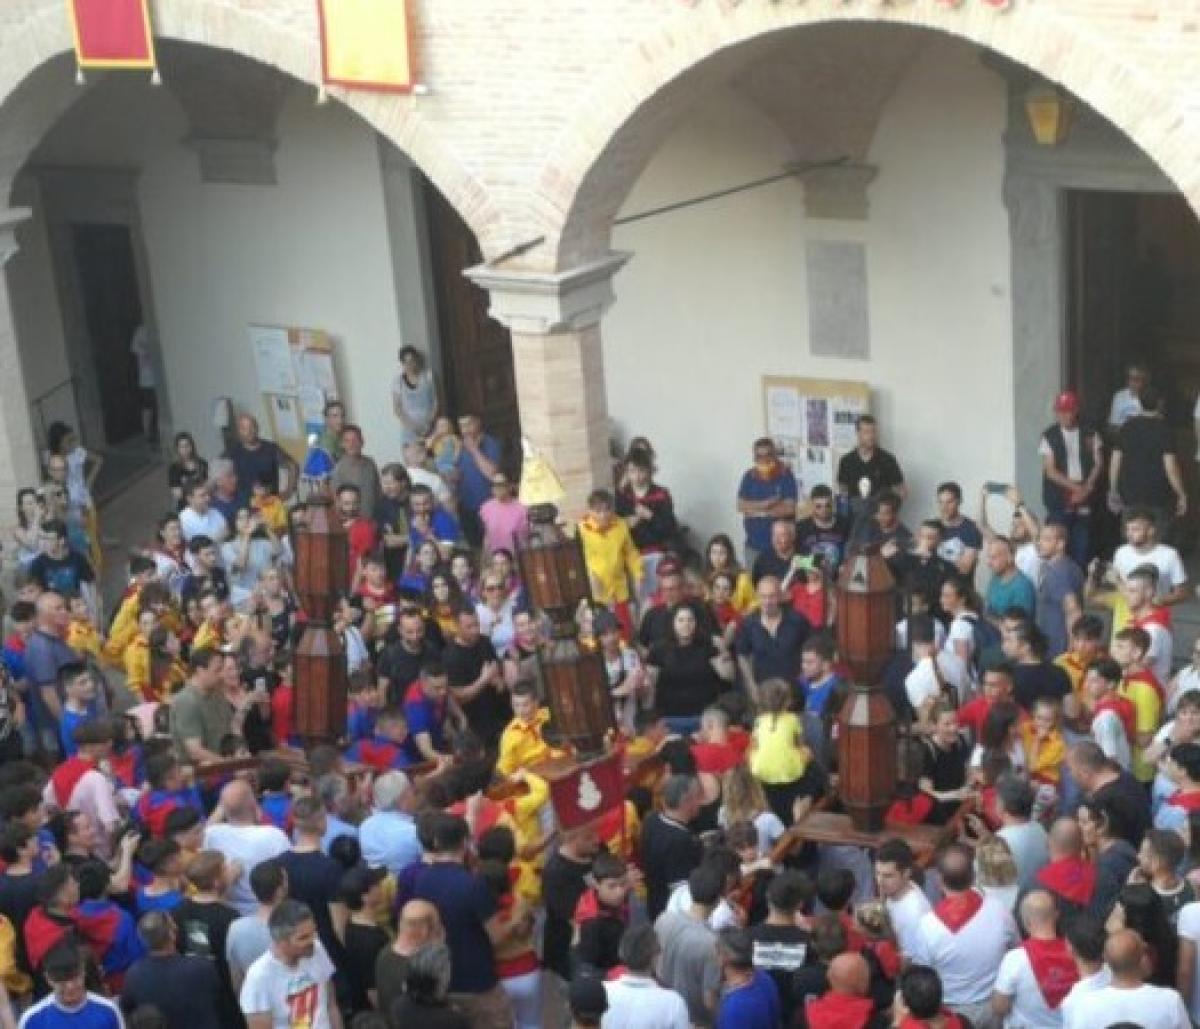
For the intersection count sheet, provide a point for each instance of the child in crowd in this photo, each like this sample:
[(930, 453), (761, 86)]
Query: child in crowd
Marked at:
[(810, 595), (778, 755), (444, 447), (522, 744), (374, 586), (611, 557), (1045, 752), (82, 635), (266, 502), (601, 915), (137, 658), (1087, 645), (275, 781)]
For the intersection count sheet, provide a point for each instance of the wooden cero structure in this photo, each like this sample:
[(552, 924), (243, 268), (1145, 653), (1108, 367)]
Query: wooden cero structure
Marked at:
[(322, 574), (866, 723)]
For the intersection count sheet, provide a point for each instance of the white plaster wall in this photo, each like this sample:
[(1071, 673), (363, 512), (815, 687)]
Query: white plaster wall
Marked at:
[(310, 252), (714, 297)]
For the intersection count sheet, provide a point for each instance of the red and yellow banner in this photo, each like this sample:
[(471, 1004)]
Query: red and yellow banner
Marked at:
[(112, 33), (365, 44)]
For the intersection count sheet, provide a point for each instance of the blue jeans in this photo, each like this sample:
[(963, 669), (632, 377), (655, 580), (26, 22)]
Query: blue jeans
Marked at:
[(683, 725), (1079, 541)]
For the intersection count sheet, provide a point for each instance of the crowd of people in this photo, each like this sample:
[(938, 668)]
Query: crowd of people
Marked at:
[(415, 875)]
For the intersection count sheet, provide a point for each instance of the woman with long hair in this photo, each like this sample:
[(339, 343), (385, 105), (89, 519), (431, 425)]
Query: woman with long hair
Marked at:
[(187, 470), (743, 800), (495, 611), (1113, 856), (444, 600), (28, 531), (720, 556), (687, 670), (167, 669)]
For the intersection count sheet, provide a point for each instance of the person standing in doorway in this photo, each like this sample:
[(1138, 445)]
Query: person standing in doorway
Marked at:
[(414, 397), (1145, 468), (478, 462), (147, 381), (1072, 463), (1128, 402)]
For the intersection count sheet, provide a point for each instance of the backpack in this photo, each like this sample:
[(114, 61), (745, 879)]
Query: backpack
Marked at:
[(985, 637)]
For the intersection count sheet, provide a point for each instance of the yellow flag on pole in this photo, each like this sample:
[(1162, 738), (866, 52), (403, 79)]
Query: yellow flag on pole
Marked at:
[(365, 44)]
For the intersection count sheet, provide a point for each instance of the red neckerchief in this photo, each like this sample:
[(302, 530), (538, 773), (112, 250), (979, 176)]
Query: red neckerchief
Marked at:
[(949, 1021), (727, 615), (1147, 676), (589, 907), (838, 1011), (957, 909), (773, 471), (1071, 878), (1156, 616), (888, 956), (1053, 968), (1124, 710), (66, 777), (1187, 801), (489, 814)]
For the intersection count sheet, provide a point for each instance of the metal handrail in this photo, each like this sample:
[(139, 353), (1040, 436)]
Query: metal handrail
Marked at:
[(38, 408)]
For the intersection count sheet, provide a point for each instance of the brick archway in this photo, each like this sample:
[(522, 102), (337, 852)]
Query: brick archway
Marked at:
[(623, 118), (278, 33)]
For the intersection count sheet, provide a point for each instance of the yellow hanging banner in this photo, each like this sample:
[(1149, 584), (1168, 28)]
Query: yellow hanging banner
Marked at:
[(366, 44)]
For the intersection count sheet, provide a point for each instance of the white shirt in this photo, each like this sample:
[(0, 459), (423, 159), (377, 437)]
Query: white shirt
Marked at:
[(1166, 559), (906, 914), (637, 1002), (1029, 1009), (1150, 1007), (1074, 462), (1189, 929), (291, 996), (920, 683), (1124, 406), (901, 634), (969, 959), (419, 476), (211, 524), (1187, 680), (722, 917), (249, 846), (1094, 982), (1028, 562), (1161, 652), (1109, 733)]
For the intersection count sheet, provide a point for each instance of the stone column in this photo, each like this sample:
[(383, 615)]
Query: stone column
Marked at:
[(555, 323), (18, 454)]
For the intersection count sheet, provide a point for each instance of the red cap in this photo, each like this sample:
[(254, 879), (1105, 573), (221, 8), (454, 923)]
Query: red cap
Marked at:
[(1066, 403)]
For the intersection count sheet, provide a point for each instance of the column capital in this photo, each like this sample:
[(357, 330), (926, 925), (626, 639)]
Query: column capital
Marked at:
[(542, 303), (10, 219), (838, 191)]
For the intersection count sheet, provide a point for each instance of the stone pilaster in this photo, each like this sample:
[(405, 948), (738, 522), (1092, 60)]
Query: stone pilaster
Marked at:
[(555, 323)]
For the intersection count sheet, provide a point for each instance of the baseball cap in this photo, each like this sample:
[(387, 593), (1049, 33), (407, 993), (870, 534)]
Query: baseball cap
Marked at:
[(1066, 403)]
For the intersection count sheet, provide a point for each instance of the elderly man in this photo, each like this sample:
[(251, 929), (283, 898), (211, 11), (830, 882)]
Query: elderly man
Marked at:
[(340, 803), (292, 984), (964, 937), (223, 490), (1129, 999), (46, 654), (388, 837), (419, 925), (478, 462), (780, 558), (255, 458), (355, 468), (235, 830), (1035, 977)]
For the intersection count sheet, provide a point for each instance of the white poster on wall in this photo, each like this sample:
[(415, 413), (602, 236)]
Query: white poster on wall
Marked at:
[(273, 359)]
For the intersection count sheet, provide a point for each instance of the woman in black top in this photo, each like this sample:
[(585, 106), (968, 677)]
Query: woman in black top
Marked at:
[(187, 469), (688, 670), (944, 769)]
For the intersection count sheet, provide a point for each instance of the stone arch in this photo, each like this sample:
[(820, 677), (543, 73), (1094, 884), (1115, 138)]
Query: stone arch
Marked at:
[(35, 88), (622, 119)]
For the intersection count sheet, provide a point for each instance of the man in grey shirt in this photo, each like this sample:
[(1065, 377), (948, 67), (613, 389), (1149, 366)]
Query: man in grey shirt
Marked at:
[(354, 468), (1026, 838), (688, 964), (249, 938)]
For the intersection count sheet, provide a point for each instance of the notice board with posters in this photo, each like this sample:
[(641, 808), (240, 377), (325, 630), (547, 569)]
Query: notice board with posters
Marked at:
[(812, 422), (297, 377)]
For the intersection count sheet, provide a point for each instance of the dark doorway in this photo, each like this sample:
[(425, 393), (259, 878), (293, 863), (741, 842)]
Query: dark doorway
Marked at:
[(112, 307), (1134, 295), (477, 359)]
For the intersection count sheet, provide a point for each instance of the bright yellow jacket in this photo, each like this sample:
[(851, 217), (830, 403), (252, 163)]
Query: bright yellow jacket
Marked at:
[(1047, 765), (1147, 707), (84, 638), (612, 559), (528, 831), (123, 629), (137, 667), (274, 513), (16, 982), (208, 635), (522, 744)]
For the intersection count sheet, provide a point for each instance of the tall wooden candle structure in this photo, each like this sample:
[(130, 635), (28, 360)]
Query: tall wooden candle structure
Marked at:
[(556, 580), (322, 575), (866, 723)]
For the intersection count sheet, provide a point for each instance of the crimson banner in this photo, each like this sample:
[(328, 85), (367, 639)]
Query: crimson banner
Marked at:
[(112, 33), (588, 792)]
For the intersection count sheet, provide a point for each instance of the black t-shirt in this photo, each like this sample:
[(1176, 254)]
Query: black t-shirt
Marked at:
[(402, 668), (313, 879), (946, 770), (252, 465), (781, 951), (687, 682), (184, 988), (771, 563), (882, 470), (1033, 682), (203, 929), (1127, 806), (216, 580), (62, 574), (926, 574), (563, 883), (363, 944), (390, 971), (179, 477), (490, 711), (18, 897), (826, 541), (669, 853), (1142, 442)]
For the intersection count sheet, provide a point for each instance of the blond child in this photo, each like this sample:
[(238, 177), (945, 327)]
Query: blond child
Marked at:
[(1045, 751), (778, 757), (444, 446)]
